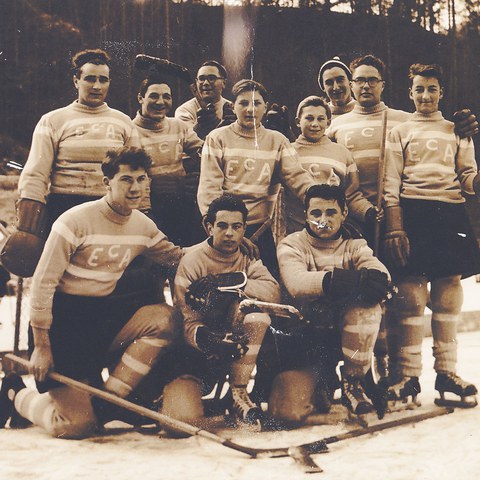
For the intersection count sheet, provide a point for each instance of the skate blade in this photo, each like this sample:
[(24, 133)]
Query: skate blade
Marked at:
[(402, 405), (464, 402)]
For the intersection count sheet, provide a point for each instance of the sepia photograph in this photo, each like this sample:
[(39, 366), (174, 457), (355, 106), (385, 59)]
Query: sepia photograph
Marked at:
[(239, 239)]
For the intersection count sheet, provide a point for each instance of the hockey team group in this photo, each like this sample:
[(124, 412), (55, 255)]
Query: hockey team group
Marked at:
[(111, 209)]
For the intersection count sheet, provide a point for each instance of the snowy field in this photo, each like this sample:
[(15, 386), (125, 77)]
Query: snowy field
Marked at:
[(443, 448)]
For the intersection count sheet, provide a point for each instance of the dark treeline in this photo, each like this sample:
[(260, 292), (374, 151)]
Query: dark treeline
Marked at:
[(282, 47)]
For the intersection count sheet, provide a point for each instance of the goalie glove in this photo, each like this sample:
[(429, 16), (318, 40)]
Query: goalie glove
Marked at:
[(226, 347), (22, 250), (205, 293)]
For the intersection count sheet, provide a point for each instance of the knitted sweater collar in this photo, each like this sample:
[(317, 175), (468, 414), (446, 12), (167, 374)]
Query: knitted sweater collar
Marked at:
[(79, 107), (428, 117), (301, 140), (379, 107), (218, 256), (110, 214), (150, 124), (321, 243), (243, 132), (341, 109)]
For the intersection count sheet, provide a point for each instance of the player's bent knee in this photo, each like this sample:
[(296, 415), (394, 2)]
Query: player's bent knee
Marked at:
[(291, 398), (156, 320), (182, 400)]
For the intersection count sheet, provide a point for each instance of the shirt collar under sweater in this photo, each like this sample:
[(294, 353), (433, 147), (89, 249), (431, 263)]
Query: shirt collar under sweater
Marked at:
[(218, 256), (429, 117), (80, 107), (341, 109), (150, 124), (110, 214), (243, 132), (321, 243), (379, 107), (301, 140)]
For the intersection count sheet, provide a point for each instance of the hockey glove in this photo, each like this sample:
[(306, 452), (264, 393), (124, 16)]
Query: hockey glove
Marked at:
[(22, 250), (277, 118), (228, 115), (220, 346), (396, 244), (165, 185), (204, 293), (373, 286), (466, 124), (207, 120)]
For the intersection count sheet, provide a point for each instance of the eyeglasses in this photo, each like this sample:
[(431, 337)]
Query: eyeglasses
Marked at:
[(208, 78), (372, 81)]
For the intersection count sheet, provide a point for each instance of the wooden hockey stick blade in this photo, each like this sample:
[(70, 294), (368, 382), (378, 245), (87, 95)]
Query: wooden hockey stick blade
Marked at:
[(162, 65), (166, 421)]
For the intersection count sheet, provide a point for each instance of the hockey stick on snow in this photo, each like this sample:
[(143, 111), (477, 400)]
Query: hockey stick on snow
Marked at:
[(299, 454)]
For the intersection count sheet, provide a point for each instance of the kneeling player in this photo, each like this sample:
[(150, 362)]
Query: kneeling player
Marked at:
[(338, 285), (224, 341), (77, 322)]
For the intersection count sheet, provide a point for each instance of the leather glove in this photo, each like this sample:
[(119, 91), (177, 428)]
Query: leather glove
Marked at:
[(396, 245), (221, 346), (277, 118), (466, 124), (207, 120), (228, 115)]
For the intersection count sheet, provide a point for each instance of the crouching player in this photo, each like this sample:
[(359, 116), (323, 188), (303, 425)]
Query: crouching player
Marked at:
[(428, 235), (338, 285), (77, 323), (223, 340)]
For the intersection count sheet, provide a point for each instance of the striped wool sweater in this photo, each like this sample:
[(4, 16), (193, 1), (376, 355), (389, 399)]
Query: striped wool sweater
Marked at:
[(68, 147), (249, 163), (202, 260), (187, 112), (87, 251), (166, 142), (361, 132), (330, 163), (426, 160), (304, 260)]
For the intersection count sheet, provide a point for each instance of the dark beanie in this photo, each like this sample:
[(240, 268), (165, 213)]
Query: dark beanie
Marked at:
[(334, 62)]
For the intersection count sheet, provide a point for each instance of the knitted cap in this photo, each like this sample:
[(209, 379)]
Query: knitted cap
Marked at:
[(334, 62)]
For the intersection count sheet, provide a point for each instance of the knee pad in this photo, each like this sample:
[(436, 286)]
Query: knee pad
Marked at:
[(182, 400), (291, 398)]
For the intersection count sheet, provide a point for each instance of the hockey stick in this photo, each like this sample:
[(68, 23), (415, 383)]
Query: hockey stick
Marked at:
[(276, 309), (166, 421), (380, 182)]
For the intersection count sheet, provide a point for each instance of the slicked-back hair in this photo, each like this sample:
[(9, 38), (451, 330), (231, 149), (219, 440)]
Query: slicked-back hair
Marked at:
[(150, 80), (246, 85), (136, 158), (213, 63), (327, 192), (314, 101), (370, 60), (96, 56), (228, 202), (430, 71)]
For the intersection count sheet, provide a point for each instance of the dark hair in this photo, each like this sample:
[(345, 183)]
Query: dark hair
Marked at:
[(327, 192), (136, 158), (213, 63), (97, 57), (249, 86), (229, 202), (314, 101), (370, 60), (150, 80), (431, 71)]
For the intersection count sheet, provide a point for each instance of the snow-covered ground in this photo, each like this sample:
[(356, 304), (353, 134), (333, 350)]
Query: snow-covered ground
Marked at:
[(443, 448)]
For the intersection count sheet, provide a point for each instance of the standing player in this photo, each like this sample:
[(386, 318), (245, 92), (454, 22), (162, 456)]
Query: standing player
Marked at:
[(63, 167), (173, 191), (338, 285), (428, 235), (76, 321), (223, 340)]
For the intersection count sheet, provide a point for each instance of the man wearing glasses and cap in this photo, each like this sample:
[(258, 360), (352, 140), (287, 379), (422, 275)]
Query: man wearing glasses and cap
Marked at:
[(208, 108)]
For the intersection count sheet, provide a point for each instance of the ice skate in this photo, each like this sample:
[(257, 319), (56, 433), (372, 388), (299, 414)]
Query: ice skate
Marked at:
[(452, 383), (358, 405), (11, 385), (244, 410), (398, 395)]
